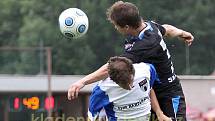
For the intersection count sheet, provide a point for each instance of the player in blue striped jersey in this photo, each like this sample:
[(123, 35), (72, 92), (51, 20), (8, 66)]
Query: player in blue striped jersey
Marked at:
[(126, 93)]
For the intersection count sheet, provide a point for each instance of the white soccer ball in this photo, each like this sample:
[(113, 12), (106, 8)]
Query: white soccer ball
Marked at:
[(73, 23)]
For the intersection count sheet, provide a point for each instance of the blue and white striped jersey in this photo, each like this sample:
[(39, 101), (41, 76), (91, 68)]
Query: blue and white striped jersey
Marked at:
[(120, 103)]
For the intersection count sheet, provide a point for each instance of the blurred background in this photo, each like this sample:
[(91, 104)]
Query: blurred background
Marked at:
[(33, 24)]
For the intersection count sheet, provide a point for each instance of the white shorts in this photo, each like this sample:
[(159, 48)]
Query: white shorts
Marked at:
[(142, 118)]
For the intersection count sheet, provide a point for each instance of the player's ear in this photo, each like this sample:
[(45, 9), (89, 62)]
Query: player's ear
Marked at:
[(129, 86), (127, 27)]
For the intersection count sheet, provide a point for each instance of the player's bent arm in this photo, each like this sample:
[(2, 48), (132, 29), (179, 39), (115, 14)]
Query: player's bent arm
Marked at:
[(172, 31), (97, 75), (156, 107)]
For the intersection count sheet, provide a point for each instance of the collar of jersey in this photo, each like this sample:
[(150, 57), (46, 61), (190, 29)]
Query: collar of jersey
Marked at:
[(148, 27), (140, 37)]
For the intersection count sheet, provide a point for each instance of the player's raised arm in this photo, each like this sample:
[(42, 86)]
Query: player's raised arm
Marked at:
[(97, 75), (172, 31)]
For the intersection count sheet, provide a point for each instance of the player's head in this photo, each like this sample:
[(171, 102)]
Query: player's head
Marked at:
[(124, 15), (121, 71)]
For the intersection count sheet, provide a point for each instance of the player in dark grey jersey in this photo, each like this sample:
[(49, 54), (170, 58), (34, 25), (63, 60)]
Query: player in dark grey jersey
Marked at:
[(150, 47), (145, 43)]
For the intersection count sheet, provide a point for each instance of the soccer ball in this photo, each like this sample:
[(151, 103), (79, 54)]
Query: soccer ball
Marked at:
[(73, 23)]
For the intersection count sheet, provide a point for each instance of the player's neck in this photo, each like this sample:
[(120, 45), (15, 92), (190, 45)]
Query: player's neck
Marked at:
[(139, 29), (143, 26)]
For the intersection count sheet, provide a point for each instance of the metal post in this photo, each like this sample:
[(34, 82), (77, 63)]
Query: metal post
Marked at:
[(6, 108), (41, 57), (187, 59), (49, 72)]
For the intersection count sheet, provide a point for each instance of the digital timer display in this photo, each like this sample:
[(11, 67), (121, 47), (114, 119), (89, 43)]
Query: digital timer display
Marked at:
[(32, 103)]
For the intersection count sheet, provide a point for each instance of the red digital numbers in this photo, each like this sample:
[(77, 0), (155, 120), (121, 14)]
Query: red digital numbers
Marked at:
[(16, 103), (33, 103), (49, 103)]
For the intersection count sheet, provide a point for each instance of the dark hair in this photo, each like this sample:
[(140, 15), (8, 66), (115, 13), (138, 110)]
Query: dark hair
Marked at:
[(120, 70), (124, 13)]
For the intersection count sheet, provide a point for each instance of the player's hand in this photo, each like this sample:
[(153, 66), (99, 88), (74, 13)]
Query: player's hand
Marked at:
[(74, 89), (188, 37), (162, 117)]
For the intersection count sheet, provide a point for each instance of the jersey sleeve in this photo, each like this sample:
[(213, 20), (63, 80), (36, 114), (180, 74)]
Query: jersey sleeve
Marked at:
[(130, 56), (153, 75), (98, 100), (160, 27)]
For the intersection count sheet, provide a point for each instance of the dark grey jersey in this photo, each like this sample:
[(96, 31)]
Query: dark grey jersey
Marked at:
[(149, 47)]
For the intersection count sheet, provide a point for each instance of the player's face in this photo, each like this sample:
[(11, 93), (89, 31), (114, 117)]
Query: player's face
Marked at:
[(128, 85), (122, 30)]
